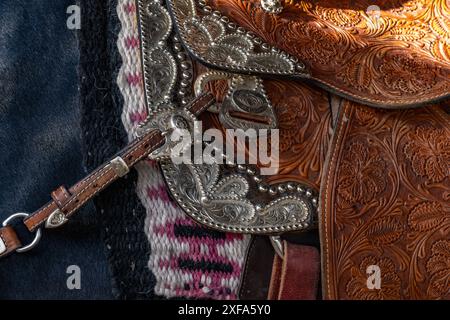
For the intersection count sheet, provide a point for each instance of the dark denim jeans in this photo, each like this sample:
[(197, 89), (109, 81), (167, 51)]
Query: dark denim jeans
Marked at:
[(40, 149)]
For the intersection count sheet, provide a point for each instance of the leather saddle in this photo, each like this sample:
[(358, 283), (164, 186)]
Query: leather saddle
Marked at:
[(349, 102), (357, 90)]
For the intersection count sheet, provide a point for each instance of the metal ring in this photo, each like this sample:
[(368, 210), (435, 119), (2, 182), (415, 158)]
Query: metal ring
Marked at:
[(37, 236)]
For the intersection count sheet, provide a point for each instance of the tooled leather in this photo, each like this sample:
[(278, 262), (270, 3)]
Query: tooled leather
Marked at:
[(304, 120), (385, 201), (402, 58)]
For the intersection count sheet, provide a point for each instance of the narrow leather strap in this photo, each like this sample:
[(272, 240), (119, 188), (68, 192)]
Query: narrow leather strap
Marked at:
[(66, 202), (91, 185), (8, 241), (201, 104), (296, 276), (256, 275)]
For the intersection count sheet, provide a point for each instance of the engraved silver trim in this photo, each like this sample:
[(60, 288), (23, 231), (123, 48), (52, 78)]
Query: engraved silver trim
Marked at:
[(159, 65), (211, 38), (119, 166), (272, 6), (225, 197), (246, 95), (55, 220), (228, 198)]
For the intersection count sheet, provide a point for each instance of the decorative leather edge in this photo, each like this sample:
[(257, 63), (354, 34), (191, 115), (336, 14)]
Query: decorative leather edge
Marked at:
[(304, 75)]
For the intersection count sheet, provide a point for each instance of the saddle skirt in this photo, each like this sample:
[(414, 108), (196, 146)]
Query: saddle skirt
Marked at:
[(359, 93)]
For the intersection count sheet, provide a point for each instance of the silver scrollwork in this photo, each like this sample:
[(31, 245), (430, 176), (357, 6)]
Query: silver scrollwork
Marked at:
[(219, 43), (229, 201)]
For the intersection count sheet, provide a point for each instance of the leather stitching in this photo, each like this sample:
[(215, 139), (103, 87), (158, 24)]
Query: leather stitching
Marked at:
[(335, 152)]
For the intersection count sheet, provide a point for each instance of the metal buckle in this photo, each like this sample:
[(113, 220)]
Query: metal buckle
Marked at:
[(37, 236)]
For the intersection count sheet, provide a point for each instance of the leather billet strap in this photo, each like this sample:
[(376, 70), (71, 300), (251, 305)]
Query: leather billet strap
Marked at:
[(65, 202), (296, 275)]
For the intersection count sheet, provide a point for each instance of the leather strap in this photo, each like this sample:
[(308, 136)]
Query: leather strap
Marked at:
[(296, 276), (8, 241), (254, 284), (69, 201), (66, 202)]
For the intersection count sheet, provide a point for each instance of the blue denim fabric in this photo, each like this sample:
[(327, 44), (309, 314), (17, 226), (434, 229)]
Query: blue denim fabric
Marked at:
[(40, 149)]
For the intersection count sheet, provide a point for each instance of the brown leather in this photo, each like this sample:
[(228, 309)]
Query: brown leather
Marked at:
[(296, 276), (305, 128), (255, 279), (69, 201), (400, 59), (385, 202), (84, 190), (9, 240), (61, 196), (201, 103)]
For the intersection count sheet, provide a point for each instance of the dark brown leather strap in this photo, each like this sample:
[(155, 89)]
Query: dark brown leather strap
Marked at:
[(65, 202), (255, 279), (296, 276)]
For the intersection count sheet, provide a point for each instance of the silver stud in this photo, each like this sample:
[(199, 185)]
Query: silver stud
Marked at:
[(231, 25), (308, 193), (263, 188), (207, 9), (291, 186), (241, 167), (300, 189), (257, 179), (177, 47), (251, 171), (314, 201), (272, 191), (184, 65), (281, 189)]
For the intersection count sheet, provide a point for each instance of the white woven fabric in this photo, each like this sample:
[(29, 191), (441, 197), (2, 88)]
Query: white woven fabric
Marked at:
[(198, 265)]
